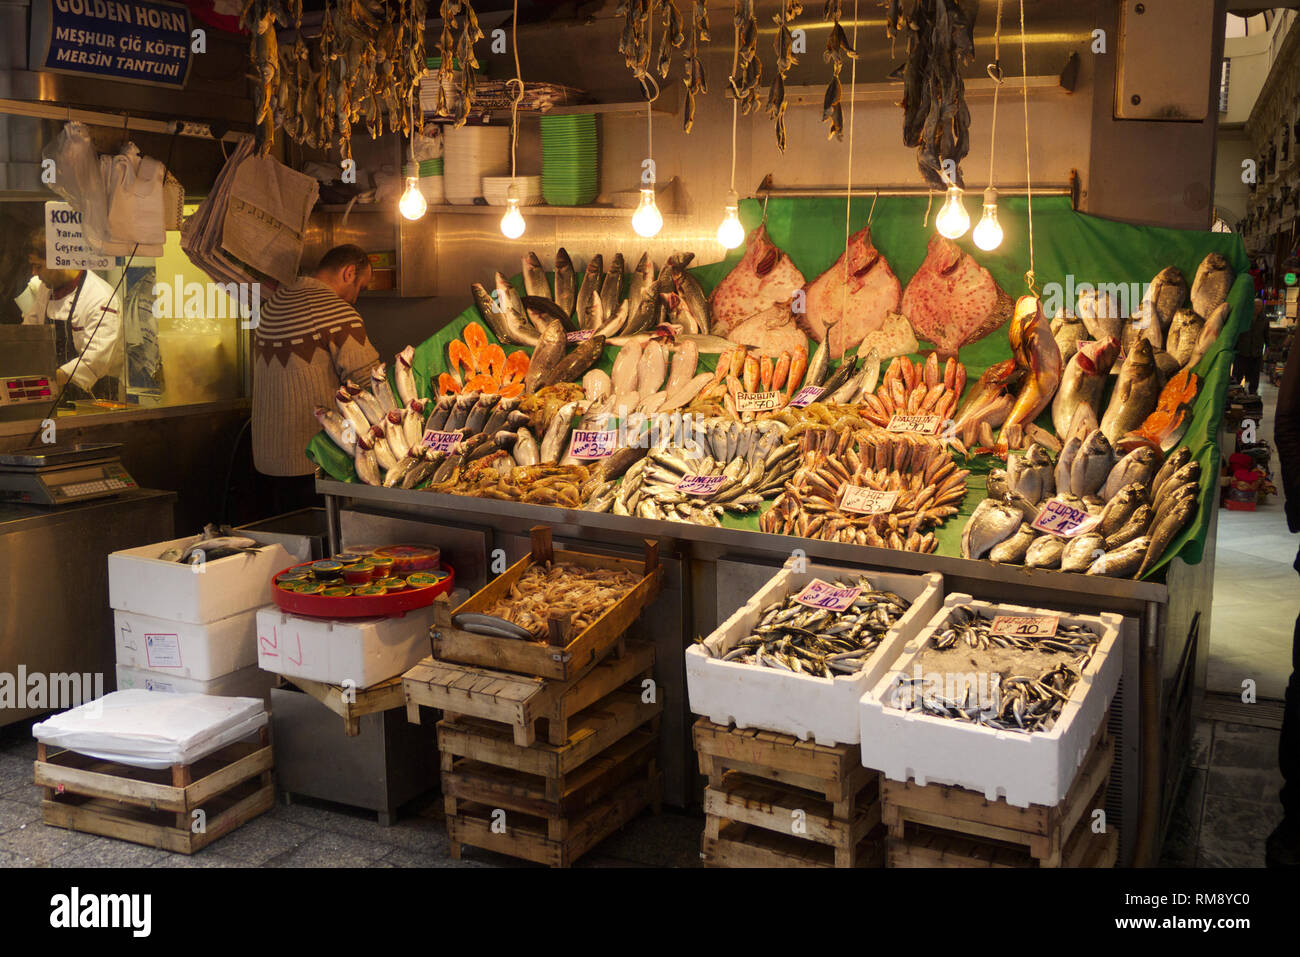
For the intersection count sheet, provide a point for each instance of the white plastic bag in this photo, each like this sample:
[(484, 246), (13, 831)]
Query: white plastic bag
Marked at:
[(78, 180), (134, 187)]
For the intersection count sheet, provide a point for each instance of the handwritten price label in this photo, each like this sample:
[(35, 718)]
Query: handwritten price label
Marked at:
[(593, 445), (820, 594), (1058, 518), (1025, 626), (582, 335), (925, 424), (806, 396), (867, 501), (440, 441), (757, 401), (700, 484)]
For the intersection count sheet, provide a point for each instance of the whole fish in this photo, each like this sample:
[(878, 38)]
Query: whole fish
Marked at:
[(366, 464), (596, 385), (1045, 552), (380, 388), (819, 365), (1167, 364), (395, 435), (566, 284), (1165, 528), (1123, 561), (1188, 474), (350, 411), (548, 354), (501, 414), (525, 450), (1175, 460), (1079, 553), (535, 283), (647, 315), (1138, 467), (1083, 382), (1184, 334), (557, 434), (1120, 508), (1012, 551), (1091, 465), (651, 369), (541, 311), (1031, 474), (1213, 281), (1065, 460), (369, 405), (1036, 352), (441, 412), (691, 301), (1135, 525), (1100, 315), (990, 524), (1166, 294), (590, 308), (384, 453), (685, 360), (460, 410), (341, 431), (209, 548), (412, 426), (569, 368), (478, 414), (518, 321), (491, 313), (1214, 324), (1137, 390), (640, 283), (611, 287), (1068, 331), (988, 401), (394, 477)]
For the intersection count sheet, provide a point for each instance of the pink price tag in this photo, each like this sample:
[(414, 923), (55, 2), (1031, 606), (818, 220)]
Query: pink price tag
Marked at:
[(582, 335), (806, 396), (593, 444), (820, 594), (440, 441), (700, 484), (757, 401), (1058, 518), (867, 501), (924, 424), (1024, 626)]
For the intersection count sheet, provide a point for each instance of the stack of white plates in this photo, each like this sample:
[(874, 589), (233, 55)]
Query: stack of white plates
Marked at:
[(470, 153), (496, 190)]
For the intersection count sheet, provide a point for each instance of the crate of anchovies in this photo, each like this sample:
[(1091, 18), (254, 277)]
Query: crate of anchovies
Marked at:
[(997, 698), (799, 654)]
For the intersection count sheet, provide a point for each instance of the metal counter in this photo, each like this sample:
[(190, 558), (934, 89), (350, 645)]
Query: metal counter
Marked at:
[(1161, 620), (54, 613)]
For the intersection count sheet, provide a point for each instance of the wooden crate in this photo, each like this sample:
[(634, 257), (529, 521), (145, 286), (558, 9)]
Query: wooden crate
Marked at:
[(942, 826), (352, 704), (520, 701), (744, 845), (155, 807), (564, 656)]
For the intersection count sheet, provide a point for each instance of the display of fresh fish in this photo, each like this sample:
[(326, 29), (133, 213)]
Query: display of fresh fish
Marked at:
[(651, 369), (1100, 315), (1012, 551), (384, 453), (1045, 552), (570, 368), (952, 300), (367, 403), (690, 305), (1090, 465), (395, 435), (1079, 553), (684, 362), (991, 523), (547, 355), (1083, 382), (342, 432), (1166, 527), (764, 277), (351, 411), (640, 283), (590, 308), (541, 310), (1120, 508), (1137, 389), (852, 297), (1166, 294), (989, 400), (535, 283), (862, 382), (1214, 324), (611, 288), (1068, 331), (1184, 335), (1137, 467), (1213, 281), (1035, 352), (566, 284), (1136, 524), (555, 441), (769, 333), (1123, 561), (1175, 461), (460, 410), (380, 388), (490, 312), (1030, 474)]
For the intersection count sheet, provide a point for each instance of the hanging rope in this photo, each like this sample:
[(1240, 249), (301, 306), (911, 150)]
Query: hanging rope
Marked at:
[(1029, 192), (518, 84), (995, 74)]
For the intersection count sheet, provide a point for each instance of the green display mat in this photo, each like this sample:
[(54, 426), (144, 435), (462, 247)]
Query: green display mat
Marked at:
[(1066, 243)]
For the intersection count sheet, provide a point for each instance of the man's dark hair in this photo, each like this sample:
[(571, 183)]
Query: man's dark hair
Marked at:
[(340, 257), (36, 241)]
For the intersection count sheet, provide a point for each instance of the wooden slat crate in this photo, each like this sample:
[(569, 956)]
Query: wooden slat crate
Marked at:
[(564, 656), (520, 701), (775, 801), (352, 704), (942, 826), (155, 807)]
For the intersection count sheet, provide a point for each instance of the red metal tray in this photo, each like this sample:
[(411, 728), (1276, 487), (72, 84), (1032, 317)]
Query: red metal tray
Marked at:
[(364, 606)]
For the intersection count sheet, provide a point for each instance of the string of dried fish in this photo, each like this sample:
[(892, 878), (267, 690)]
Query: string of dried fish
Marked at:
[(692, 65), (636, 41), (460, 31), (748, 70), (575, 593), (673, 36), (838, 49), (785, 58)]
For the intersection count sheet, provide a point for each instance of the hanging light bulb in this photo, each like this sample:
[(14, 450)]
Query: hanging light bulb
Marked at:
[(412, 204), (647, 220), (953, 220), (512, 223), (730, 233), (988, 232)]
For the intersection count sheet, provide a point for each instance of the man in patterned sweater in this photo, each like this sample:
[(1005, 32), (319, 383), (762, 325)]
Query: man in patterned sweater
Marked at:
[(309, 340)]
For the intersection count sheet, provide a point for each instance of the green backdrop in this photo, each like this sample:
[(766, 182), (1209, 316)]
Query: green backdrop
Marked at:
[(1066, 243)]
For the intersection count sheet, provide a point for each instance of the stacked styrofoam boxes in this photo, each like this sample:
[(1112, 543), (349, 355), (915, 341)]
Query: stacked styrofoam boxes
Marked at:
[(824, 709), (356, 652), (191, 628), (1025, 769)]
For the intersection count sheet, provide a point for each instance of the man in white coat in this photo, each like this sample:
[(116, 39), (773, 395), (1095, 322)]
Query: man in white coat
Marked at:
[(87, 320)]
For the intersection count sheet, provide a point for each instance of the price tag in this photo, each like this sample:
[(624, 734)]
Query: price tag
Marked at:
[(820, 594), (593, 444), (582, 335), (1058, 518), (700, 484), (925, 424), (867, 501), (757, 401), (806, 396), (440, 441), (1025, 626)]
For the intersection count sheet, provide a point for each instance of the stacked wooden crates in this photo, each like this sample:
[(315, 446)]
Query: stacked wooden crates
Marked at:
[(546, 749)]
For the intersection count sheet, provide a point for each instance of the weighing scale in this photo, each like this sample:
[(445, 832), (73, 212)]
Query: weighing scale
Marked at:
[(63, 475)]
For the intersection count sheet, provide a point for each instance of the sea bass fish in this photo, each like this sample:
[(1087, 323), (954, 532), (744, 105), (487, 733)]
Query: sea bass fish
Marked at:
[(1137, 390), (1210, 287)]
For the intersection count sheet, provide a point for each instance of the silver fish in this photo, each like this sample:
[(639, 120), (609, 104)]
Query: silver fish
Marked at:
[(368, 404), (404, 375), (1135, 525), (395, 435), (1213, 281), (365, 462), (1120, 508), (525, 450), (348, 407), (1081, 552), (1121, 562), (611, 287), (340, 430), (1165, 528), (441, 412), (1176, 460), (1137, 389), (991, 523), (491, 313), (535, 283), (1091, 465), (1100, 315), (1065, 460), (1012, 551), (566, 285), (590, 306), (478, 415), (1045, 552), (1138, 467), (380, 388), (1167, 293), (557, 434), (461, 410), (384, 453), (1082, 382), (1068, 331)]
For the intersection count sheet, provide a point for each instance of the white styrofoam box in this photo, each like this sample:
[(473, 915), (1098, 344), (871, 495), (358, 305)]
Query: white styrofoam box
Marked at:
[(1035, 768), (183, 650), (363, 651), (825, 709), (140, 582), (250, 682)]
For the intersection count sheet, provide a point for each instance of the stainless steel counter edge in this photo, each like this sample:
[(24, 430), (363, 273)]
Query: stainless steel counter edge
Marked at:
[(15, 516), (742, 541), (93, 419)]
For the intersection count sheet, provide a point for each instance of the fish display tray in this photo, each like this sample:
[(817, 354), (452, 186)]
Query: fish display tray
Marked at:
[(521, 701), (360, 606), (940, 826), (1024, 769), (563, 656), (231, 786), (823, 709)]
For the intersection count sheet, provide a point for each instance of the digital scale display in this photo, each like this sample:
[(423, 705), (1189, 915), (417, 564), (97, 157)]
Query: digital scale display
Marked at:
[(63, 476), (17, 390)]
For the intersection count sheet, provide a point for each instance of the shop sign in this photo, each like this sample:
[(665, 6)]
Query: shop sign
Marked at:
[(135, 41), (1058, 518), (806, 396), (1024, 626), (593, 444), (65, 246), (867, 501), (820, 594)]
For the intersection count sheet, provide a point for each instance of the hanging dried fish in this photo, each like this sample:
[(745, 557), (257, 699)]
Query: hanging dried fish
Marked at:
[(637, 39), (692, 66), (936, 120), (259, 17), (785, 59), (745, 77), (460, 31), (838, 49), (672, 37)]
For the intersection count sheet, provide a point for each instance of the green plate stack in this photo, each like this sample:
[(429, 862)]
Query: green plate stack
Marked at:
[(569, 159)]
